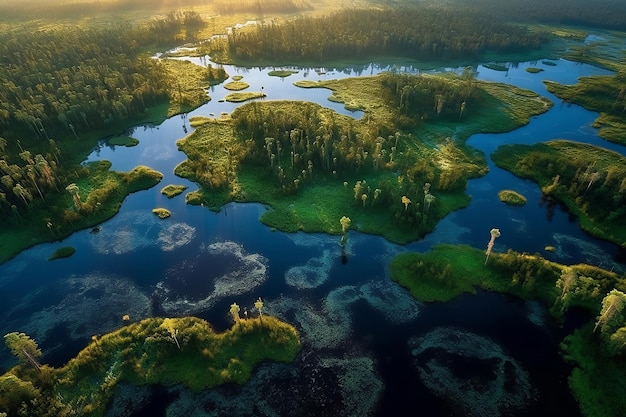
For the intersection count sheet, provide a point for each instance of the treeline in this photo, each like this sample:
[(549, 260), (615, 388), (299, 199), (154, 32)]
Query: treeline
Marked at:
[(260, 6), (425, 98), (426, 34), (65, 80), (610, 14), (60, 10), (62, 83)]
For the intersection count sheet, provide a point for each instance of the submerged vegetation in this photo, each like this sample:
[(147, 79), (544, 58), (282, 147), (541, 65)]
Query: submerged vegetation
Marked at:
[(313, 166), (590, 181), (598, 351), (154, 351)]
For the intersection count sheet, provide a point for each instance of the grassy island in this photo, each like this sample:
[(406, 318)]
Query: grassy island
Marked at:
[(62, 252), (161, 213), (171, 190), (241, 97), (589, 180), (511, 197), (236, 85), (123, 141), (396, 172), (163, 351), (597, 351), (281, 73), (95, 195)]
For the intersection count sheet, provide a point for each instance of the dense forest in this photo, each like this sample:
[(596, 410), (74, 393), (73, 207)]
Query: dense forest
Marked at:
[(415, 33), (62, 83), (610, 14)]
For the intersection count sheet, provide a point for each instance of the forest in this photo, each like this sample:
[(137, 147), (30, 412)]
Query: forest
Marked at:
[(422, 34), (61, 85)]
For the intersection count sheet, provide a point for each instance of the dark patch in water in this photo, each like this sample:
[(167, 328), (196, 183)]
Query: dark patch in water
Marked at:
[(94, 293)]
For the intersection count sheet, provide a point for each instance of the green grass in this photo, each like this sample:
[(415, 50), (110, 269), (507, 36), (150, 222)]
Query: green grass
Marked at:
[(62, 252), (156, 351), (533, 70), (171, 190), (123, 141), (281, 73), (241, 97), (512, 197), (597, 381), (161, 213), (236, 85)]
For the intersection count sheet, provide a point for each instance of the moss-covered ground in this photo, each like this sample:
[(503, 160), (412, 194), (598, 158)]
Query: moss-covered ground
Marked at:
[(154, 351)]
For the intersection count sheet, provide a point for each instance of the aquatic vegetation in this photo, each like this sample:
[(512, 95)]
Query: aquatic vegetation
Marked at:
[(62, 252), (589, 180), (511, 197), (448, 270), (171, 190), (498, 384), (185, 291), (357, 376), (175, 235), (162, 213), (313, 273), (533, 70), (145, 352)]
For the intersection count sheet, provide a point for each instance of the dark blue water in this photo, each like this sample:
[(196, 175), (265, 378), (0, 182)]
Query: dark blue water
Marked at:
[(143, 266)]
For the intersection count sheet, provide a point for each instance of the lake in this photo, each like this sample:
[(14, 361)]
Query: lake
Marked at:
[(368, 347)]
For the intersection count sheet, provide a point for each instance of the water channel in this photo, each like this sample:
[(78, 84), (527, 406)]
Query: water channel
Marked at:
[(368, 347)]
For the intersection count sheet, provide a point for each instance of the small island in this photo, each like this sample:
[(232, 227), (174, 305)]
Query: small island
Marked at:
[(161, 213), (123, 141), (236, 85), (281, 73), (171, 190), (241, 97), (62, 252), (511, 197)]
